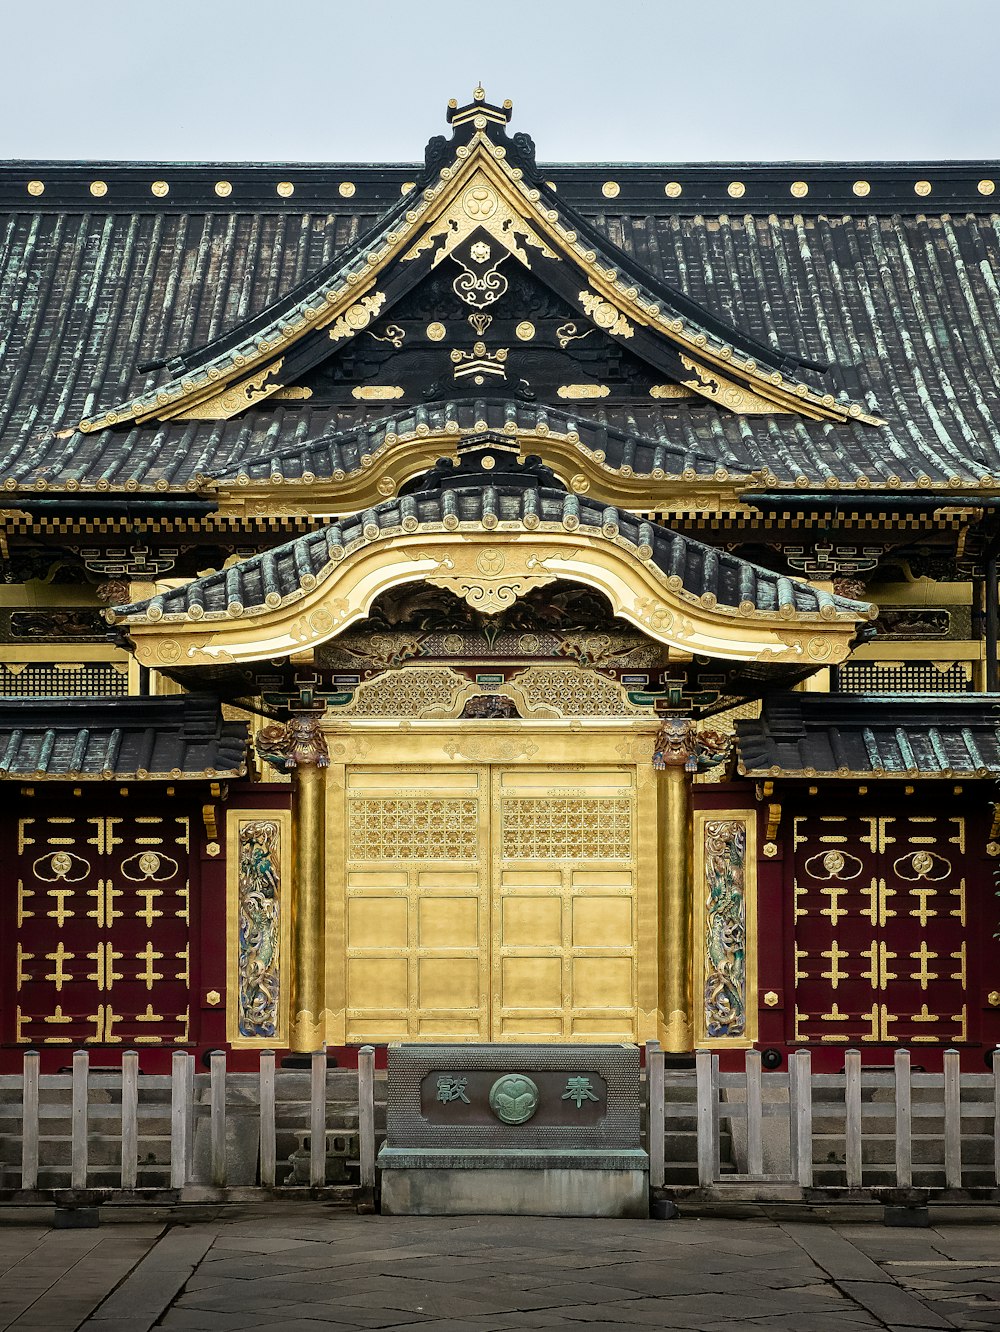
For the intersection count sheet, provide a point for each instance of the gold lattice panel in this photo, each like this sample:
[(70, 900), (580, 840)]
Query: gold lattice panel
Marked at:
[(577, 828), (412, 828)]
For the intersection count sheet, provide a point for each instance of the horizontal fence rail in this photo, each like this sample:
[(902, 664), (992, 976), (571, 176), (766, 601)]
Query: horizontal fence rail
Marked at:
[(751, 1133), (124, 1132)]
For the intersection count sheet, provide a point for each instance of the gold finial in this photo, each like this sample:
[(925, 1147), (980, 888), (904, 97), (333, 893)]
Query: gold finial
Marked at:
[(479, 92)]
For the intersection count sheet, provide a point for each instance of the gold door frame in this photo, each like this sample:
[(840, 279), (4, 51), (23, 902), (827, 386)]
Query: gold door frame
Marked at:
[(455, 745)]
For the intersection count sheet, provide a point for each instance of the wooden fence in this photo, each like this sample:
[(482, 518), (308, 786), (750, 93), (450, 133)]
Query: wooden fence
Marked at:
[(105, 1107), (751, 1134), (866, 1128)]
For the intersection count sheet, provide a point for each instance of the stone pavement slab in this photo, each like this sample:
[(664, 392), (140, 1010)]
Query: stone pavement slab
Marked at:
[(308, 1268)]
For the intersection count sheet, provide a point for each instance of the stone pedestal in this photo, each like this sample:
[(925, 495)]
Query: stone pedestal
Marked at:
[(526, 1130)]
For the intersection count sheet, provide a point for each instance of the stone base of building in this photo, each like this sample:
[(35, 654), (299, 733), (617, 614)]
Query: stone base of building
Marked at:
[(442, 1183)]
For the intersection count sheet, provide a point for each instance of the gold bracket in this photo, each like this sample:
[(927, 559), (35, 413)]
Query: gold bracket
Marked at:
[(773, 821), (994, 832), (209, 816)]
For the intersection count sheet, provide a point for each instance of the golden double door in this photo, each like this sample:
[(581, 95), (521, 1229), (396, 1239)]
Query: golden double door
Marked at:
[(491, 902)]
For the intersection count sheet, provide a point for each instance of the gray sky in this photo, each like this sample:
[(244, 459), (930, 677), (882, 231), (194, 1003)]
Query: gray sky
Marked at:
[(594, 80)]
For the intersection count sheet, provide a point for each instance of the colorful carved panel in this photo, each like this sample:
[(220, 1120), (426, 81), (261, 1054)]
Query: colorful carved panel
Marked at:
[(102, 927), (881, 928), (258, 927), (725, 927)]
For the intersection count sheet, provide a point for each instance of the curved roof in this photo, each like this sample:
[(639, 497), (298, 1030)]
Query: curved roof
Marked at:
[(506, 494)]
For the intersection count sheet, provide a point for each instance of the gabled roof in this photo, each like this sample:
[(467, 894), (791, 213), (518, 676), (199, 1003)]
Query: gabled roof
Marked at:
[(481, 184), (83, 739), (844, 735)]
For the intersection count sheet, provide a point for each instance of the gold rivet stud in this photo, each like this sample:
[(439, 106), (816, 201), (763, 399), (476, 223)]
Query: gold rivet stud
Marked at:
[(986, 186), (922, 187), (98, 188), (861, 188), (799, 189), (736, 189), (160, 188), (672, 189), (611, 189), (436, 331), (525, 330), (36, 187), (346, 189), (285, 189), (223, 189)]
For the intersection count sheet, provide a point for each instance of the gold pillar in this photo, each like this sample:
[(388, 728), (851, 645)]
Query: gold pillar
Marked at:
[(308, 907), (299, 748), (676, 911), (679, 750)]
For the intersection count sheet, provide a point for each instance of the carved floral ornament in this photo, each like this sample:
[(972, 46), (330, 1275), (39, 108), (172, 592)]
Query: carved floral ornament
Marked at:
[(490, 570), (479, 192)]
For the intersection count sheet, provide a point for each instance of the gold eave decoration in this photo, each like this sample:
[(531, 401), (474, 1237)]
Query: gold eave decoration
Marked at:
[(512, 214), (491, 569)]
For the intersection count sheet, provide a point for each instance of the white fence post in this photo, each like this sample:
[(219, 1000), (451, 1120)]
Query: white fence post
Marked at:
[(268, 1144), (366, 1117), (130, 1120), (802, 1060), (852, 1114), (217, 1081), (755, 1114), (952, 1121), (29, 1121), (904, 1120), (996, 1115), (655, 1115), (707, 1118), (317, 1119), (180, 1150), (81, 1073)]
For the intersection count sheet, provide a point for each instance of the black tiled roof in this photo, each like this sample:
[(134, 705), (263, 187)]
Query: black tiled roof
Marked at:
[(172, 738), (526, 494), (896, 290), (844, 735)]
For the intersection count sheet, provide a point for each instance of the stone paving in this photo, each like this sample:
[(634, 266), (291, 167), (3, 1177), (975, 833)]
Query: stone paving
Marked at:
[(310, 1269)]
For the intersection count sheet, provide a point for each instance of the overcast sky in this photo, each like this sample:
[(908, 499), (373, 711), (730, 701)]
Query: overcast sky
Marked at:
[(591, 80)]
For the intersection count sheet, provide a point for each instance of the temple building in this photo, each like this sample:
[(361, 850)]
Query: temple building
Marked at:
[(484, 601)]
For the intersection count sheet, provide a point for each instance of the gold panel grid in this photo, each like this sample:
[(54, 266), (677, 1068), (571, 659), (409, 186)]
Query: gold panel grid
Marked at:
[(491, 903)]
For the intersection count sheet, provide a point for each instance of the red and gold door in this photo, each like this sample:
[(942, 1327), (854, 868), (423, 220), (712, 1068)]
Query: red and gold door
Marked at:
[(881, 927)]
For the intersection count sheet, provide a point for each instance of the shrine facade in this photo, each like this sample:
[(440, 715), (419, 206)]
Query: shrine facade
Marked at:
[(485, 601)]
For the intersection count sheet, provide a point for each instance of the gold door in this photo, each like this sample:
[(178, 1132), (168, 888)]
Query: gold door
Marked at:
[(417, 895), (490, 903), (564, 904)]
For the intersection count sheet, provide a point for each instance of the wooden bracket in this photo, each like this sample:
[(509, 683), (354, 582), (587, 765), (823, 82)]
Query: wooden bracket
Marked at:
[(995, 825)]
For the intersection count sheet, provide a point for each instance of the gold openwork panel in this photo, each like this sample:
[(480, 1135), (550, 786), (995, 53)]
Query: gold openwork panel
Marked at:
[(544, 818), (413, 828)]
